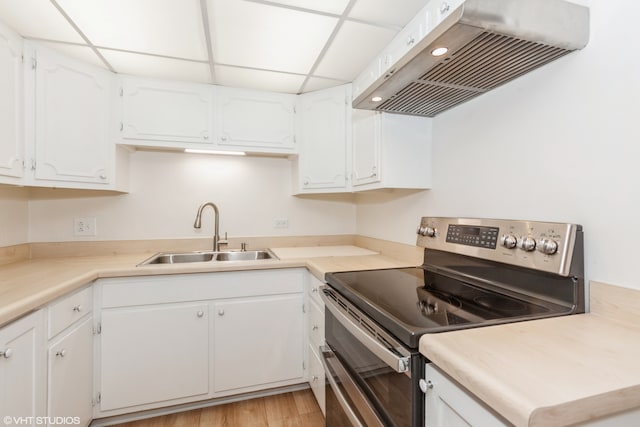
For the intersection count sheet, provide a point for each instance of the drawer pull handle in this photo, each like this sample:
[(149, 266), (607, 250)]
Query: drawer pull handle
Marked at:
[(61, 353), (6, 353), (77, 308)]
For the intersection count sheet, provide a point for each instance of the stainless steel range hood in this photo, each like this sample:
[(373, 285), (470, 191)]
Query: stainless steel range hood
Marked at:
[(489, 42)]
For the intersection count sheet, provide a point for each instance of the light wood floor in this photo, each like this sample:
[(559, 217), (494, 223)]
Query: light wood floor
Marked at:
[(297, 409)]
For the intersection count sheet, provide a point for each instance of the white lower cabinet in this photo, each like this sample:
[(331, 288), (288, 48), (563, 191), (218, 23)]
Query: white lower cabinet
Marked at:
[(448, 404), (153, 354), (167, 340), (70, 358), (22, 369), (258, 341), (70, 385), (315, 332)]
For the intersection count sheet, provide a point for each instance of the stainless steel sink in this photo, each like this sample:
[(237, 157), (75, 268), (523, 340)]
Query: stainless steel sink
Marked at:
[(187, 257), (244, 255)]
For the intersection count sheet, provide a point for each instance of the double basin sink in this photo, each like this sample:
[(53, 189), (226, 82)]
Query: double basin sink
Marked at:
[(187, 257)]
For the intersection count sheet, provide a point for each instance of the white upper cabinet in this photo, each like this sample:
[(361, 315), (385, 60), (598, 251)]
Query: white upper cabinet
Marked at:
[(324, 138), (72, 113), (165, 113), (390, 151), (254, 120), (69, 138), (11, 102)]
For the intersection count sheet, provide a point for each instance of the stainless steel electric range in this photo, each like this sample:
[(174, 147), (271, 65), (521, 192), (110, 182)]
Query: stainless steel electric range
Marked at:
[(476, 273)]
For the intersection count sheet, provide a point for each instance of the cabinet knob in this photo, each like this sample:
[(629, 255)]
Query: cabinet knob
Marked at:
[(205, 136), (306, 182), (314, 289), (410, 41), (314, 378), (200, 313), (6, 353), (221, 312), (425, 385), (61, 353), (315, 327), (103, 176), (77, 308), (223, 137)]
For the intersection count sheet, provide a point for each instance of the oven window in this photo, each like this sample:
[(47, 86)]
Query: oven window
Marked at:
[(389, 391)]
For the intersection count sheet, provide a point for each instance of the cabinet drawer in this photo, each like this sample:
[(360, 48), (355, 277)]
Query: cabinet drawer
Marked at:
[(316, 378), (316, 326), (67, 310), (314, 290)]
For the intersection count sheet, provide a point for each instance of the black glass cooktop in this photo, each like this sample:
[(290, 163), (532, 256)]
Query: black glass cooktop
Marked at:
[(409, 302)]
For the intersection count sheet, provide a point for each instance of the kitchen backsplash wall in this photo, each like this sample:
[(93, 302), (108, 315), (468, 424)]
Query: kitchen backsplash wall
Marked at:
[(14, 218), (166, 190), (560, 144)]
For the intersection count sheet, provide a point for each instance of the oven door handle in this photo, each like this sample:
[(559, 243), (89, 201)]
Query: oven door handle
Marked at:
[(333, 368), (399, 364)]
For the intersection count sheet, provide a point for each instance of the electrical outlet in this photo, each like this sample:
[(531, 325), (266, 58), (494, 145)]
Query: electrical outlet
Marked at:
[(281, 223), (84, 226)]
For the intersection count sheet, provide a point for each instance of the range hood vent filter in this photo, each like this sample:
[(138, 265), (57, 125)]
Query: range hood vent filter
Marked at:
[(484, 44), (484, 63)]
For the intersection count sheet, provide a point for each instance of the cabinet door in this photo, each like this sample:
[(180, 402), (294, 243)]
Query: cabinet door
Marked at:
[(22, 368), (255, 120), (11, 95), (324, 126), (448, 404), (72, 116), (153, 354), (366, 147), (169, 111), (258, 342), (71, 374)]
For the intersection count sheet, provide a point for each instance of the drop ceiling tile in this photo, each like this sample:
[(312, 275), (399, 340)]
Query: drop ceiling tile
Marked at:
[(158, 67), (258, 36), (318, 83), (161, 27), (258, 79), (37, 19), (387, 12), (81, 52), (353, 48), (330, 6)]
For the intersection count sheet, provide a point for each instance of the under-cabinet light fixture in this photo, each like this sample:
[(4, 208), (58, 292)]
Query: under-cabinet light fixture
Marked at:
[(376, 99), (215, 152)]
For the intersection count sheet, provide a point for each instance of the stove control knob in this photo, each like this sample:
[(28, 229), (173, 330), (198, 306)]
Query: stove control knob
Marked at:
[(547, 246), (508, 241), (427, 231), (526, 244)]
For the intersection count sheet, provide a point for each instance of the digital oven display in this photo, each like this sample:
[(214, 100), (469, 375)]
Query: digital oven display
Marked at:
[(483, 237)]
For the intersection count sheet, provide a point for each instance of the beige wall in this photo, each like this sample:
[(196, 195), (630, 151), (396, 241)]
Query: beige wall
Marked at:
[(166, 190), (559, 144), (14, 215)]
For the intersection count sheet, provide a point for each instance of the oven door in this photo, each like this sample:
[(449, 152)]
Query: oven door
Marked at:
[(372, 377)]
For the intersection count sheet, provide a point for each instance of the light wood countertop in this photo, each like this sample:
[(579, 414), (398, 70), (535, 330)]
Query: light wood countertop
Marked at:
[(31, 284), (551, 372)]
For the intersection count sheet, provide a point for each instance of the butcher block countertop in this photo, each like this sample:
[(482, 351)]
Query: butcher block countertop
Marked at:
[(31, 284), (551, 372)]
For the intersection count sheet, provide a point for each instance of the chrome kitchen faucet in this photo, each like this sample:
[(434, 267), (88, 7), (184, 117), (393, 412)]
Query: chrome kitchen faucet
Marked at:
[(216, 228)]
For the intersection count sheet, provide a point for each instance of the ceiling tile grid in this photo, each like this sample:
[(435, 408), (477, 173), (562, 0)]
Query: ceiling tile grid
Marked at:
[(289, 46)]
